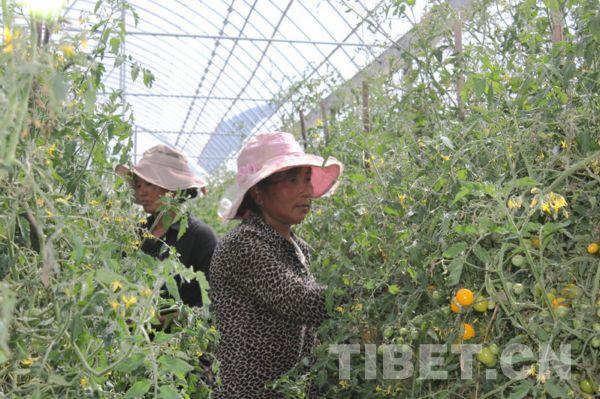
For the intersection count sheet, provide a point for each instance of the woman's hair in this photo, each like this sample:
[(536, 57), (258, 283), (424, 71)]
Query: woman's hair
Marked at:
[(248, 203), (189, 193)]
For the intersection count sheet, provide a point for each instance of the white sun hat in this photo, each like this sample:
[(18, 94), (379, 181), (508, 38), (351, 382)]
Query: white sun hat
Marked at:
[(165, 167)]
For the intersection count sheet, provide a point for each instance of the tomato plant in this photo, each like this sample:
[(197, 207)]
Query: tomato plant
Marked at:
[(78, 300)]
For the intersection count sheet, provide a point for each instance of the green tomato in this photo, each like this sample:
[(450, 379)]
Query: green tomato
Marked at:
[(487, 357), (481, 305), (405, 348), (518, 288), (596, 326), (562, 311), (577, 324), (436, 295), (571, 291), (403, 331), (388, 332), (491, 304), (414, 333), (518, 260), (494, 349), (595, 343), (588, 386), (537, 289)]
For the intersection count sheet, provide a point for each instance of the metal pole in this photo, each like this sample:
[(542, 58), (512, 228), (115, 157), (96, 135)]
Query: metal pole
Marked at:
[(303, 129), (324, 119), (122, 72), (557, 26), (460, 79), (366, 122), (135, 144), (365, 107)]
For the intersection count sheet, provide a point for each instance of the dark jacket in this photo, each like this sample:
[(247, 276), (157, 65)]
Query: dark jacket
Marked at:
[(266, 303), (195, 249)]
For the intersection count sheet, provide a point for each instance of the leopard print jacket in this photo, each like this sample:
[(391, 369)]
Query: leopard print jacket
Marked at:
[(266, 304)]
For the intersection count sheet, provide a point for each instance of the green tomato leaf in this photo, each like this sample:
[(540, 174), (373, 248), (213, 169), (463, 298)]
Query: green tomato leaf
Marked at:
[(172, 288), (107, 276), (521, 390), (174, 365), (455, 270), (129, 365), (168, 392), (555, 389), (482, 254), (138, 389), (455, 250)]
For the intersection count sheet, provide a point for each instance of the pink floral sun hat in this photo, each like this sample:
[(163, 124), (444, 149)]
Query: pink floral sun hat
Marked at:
[(164, 167), (268, 153)]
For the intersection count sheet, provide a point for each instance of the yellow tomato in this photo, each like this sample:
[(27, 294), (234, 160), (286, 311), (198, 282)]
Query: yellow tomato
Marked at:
[(593, 248), (468, 331), (465, 297), (557, 302), (454, 306)]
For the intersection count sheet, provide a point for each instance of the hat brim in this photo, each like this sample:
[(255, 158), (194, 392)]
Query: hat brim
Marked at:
[(325, 179), (174, 181)]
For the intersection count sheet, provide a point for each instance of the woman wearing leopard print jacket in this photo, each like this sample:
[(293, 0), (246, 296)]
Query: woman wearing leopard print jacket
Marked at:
[(264, 297)]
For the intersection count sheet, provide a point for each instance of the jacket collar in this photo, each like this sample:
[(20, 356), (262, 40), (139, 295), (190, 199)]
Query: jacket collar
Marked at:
[(150, 221)]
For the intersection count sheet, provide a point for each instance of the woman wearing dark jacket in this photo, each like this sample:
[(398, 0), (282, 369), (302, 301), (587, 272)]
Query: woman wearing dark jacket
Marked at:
[(163, 170), (266, 301)]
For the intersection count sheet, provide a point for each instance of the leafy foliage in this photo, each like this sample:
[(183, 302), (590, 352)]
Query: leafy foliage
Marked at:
[(493, 188), (78, 300), (433, 200)]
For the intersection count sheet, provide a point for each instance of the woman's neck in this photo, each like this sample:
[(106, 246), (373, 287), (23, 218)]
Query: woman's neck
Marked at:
[(158, 229), (284, 229)]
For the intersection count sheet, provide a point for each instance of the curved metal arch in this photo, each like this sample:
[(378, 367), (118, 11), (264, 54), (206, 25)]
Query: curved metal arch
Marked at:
[(343, 49), (216, 45), (249, 55), (145, 49), (206, 46), (225, 75), (262, 56), (147, 108), (277, 49), (201, 112), (141, 56), (248, 22), (354, 29), (241, 30), (235, 56), (324, 28), (146, 60), (158, 56), (369, 48)]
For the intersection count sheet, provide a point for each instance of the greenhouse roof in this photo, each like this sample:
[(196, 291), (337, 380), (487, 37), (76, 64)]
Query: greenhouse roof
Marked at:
[(223, 69)]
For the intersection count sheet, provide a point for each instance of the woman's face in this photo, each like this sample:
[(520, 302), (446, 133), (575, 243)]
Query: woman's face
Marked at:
[(287, 199), (147, 194)]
